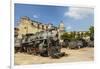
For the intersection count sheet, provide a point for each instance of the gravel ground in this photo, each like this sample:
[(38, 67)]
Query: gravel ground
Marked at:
[(83, 54)]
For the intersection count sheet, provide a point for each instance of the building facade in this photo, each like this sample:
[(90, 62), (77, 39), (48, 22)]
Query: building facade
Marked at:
[(82, 34), (27, 26)]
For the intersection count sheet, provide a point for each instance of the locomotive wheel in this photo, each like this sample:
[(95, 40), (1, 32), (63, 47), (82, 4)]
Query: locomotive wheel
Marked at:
[(55, 56), (79, 47), (17, 49), (29, 51), (44, 54)]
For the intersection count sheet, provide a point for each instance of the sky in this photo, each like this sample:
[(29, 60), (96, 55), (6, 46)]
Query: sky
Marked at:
[(74, 18)]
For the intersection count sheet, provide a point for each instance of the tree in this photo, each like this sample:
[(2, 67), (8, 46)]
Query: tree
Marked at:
[(67, 36), (87, 34), (91, 29)]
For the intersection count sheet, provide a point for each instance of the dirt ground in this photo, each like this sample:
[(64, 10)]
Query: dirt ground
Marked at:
[(83, 54)]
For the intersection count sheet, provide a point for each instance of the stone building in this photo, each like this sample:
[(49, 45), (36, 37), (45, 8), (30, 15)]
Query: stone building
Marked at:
[(82, 34), (26, 26)]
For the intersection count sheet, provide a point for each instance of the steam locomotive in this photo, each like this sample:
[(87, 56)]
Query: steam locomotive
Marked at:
[(44, 43)]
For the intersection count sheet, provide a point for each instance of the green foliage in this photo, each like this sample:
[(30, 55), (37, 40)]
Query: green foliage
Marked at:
[(65, 36), (87, 34), (68, 36), (71, 35), (91, 29)]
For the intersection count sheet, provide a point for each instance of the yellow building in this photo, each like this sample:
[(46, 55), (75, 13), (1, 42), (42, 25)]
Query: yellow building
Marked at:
[(26, 25)]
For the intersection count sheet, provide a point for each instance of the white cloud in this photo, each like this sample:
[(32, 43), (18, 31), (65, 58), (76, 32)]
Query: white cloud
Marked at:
[(35, 16), (79, 13), (68, 27)]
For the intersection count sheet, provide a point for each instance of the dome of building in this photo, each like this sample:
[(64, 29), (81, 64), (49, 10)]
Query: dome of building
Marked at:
[(61, 24)]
